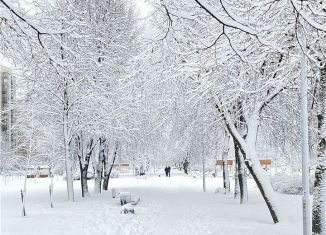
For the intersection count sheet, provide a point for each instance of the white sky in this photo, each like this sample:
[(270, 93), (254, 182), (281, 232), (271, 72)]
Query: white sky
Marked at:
[(4, 61), (144, 7)]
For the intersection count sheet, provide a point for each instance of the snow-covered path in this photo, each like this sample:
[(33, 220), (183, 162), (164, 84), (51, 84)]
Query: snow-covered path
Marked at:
[(173, 205)]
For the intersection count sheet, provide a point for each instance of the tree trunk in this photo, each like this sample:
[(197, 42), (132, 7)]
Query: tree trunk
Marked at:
[(107, 173), (240, 174), (69, 176), (236, 183), (247, 147), (319, 198), (84, 162), (264, 189), (98, 177), (226, 178), (204, 175), (23, 196), (99, 166), (83, 180), (248, 150), (262, 182), (185, 165), (65, 121)]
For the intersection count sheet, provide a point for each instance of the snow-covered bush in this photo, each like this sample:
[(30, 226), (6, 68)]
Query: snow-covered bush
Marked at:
[(288, 183), (115, 173), (195, 173)]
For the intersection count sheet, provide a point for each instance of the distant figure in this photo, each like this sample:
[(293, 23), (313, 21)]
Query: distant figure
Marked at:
[(166, 169), (141, 170), (169, 171)]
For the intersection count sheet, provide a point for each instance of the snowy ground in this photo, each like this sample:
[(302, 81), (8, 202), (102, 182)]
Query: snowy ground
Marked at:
[(173, 205)]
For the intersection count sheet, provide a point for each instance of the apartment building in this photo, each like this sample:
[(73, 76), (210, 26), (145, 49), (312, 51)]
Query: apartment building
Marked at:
[(6, 98)]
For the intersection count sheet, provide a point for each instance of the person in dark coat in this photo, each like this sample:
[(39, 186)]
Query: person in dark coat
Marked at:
[(169, 171), (166, 171)]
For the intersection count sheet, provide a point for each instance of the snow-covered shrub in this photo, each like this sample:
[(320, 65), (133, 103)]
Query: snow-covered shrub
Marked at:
[(220, 190), (115, 173), (195, 173), (288, 183)]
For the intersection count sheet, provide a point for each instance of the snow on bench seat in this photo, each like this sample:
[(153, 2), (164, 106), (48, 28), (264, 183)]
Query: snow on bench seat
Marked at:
[(125, 196)]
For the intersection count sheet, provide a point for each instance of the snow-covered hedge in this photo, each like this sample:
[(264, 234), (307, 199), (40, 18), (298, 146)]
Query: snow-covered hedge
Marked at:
[(198, 173), (288, 183)]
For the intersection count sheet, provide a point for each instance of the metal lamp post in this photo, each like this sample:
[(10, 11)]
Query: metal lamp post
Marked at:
[(304, 146)]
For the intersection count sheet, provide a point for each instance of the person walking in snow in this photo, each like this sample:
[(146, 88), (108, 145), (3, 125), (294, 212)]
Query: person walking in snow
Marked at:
[(166, 171), (169, 171)]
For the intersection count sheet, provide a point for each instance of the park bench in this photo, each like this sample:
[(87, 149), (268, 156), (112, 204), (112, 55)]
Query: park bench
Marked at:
[(265, 163), (128, 197), (127, 200)]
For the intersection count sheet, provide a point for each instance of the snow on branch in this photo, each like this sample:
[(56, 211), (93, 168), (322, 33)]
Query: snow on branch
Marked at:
[(270, 97), (310, 21), (236, 23), (31, 25), (170, 20), (227, 22), (230, 125), (11, 9)]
